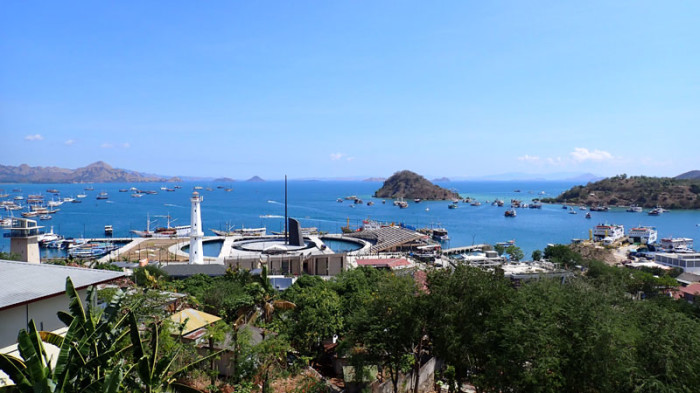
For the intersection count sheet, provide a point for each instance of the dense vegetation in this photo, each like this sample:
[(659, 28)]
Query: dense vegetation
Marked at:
[(642, 191), (407, 184), (606, 330)]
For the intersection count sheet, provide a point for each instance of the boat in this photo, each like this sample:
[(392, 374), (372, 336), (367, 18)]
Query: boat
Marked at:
[(582, 208), (76, 201), (572, 211), (599, 208), (510, 213), (677, 244), (339, 200), (402, 204), (136, 195), (103, 195), (198, 187), (54, 203), (18, 198), (643, 234), (613, 232), (358, 201), (45, 217), (177, 187), (53, 191), (417, 200), (476, 203), (123, 190), (257, 232), (535, 205), (228, 189), (453, 205), (68, 200), (81, 196), (167, 231), (657, 211), (108, 230), (370, 203), (588, 215), (48, 237), (440, 234), (634, 209)]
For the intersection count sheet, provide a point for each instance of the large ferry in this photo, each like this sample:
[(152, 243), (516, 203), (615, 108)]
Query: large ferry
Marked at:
[(643, 234), (678, 244), (608, 233)]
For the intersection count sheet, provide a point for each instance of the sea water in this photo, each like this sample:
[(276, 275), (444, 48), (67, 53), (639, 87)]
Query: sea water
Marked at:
[(314, 204)]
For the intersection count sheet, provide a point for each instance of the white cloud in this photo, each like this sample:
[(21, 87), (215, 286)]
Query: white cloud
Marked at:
[(35, 137), (126, 145), (554, 161), (581, 154), (350, 158), (69, 142), (337, 156), (106, 145), (529, 158)]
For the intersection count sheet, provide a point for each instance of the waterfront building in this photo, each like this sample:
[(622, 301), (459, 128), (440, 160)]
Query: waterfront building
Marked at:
[(677, 244), (196, 232), (24, 235), (689, 262)]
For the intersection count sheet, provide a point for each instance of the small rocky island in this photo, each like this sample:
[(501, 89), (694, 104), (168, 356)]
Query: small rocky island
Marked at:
[(643, 191), (407, 184)]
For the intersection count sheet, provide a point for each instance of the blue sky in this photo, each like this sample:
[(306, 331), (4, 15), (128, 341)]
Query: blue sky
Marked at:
[(357, 88)]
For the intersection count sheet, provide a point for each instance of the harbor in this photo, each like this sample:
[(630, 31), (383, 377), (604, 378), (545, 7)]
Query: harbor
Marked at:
[(255, 206)]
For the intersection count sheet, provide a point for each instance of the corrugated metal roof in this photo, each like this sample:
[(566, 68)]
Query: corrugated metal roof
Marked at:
[(24, 282), (193, 319)]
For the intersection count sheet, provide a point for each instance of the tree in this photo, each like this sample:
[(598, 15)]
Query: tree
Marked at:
[(317, 315), (389, 327), (515, 252), (560, 253), (461, 303), (536, 255)]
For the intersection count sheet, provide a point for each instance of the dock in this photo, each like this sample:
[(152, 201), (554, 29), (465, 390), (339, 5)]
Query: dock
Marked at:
[(463, 249)]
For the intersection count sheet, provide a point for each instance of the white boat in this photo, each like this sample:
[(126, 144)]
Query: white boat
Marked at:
[(257, 232), (643, 234), (81, 196), (612, 231), (136, 195), (635, 209)]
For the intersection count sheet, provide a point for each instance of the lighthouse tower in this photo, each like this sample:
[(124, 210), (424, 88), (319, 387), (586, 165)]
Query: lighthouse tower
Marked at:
[(196, 234)]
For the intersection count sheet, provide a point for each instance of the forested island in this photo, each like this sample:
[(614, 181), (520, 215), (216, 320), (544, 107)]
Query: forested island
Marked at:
[(407, 184), (644, 191), (603, 329)]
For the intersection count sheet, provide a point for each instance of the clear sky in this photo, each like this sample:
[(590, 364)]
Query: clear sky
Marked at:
[(352, 88)]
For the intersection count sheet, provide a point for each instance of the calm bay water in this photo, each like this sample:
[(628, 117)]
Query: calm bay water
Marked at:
[(314, 204)]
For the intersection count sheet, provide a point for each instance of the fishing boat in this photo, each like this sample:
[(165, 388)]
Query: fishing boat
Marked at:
[(53, 191), (103, 195), (510, 213), (167, 231), (402, 204)]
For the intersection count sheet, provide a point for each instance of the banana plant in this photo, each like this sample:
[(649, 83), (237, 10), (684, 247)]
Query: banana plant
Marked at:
[(86, 353), (153, 371)]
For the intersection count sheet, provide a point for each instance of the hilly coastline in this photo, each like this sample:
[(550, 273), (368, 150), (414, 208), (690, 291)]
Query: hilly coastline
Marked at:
[(407, 184), (98, 172), (648, 192)]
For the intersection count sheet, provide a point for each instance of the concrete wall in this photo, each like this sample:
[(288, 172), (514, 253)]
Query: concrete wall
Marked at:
[(26, 247), (319, 265), (43, 312)]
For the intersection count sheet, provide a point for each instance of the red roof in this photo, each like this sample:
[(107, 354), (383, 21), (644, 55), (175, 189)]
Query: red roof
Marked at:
[(391, 263), (692, 289)]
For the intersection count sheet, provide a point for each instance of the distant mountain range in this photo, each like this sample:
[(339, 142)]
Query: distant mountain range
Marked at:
[(98, 172)]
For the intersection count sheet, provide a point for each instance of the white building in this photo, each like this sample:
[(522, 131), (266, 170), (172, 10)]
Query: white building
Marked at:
[(689, 262), (37, 292), (677, 244)]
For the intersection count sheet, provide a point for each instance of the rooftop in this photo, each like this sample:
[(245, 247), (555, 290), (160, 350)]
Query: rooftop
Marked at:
[(25, 282), (391, 263)]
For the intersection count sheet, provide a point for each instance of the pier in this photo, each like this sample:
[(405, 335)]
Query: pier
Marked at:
[(463, 250)]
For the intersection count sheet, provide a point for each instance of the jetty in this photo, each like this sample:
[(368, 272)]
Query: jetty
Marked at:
[(463, 249)]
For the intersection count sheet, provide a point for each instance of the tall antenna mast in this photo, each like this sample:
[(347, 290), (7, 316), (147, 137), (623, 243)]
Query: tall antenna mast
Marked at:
[(286, 232)]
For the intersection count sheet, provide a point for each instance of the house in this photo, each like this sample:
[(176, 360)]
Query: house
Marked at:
[(385, 263), (37, 292), (691, 293)]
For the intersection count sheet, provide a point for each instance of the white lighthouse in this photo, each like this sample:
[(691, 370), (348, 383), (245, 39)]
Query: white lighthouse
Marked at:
[(196, 234)]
